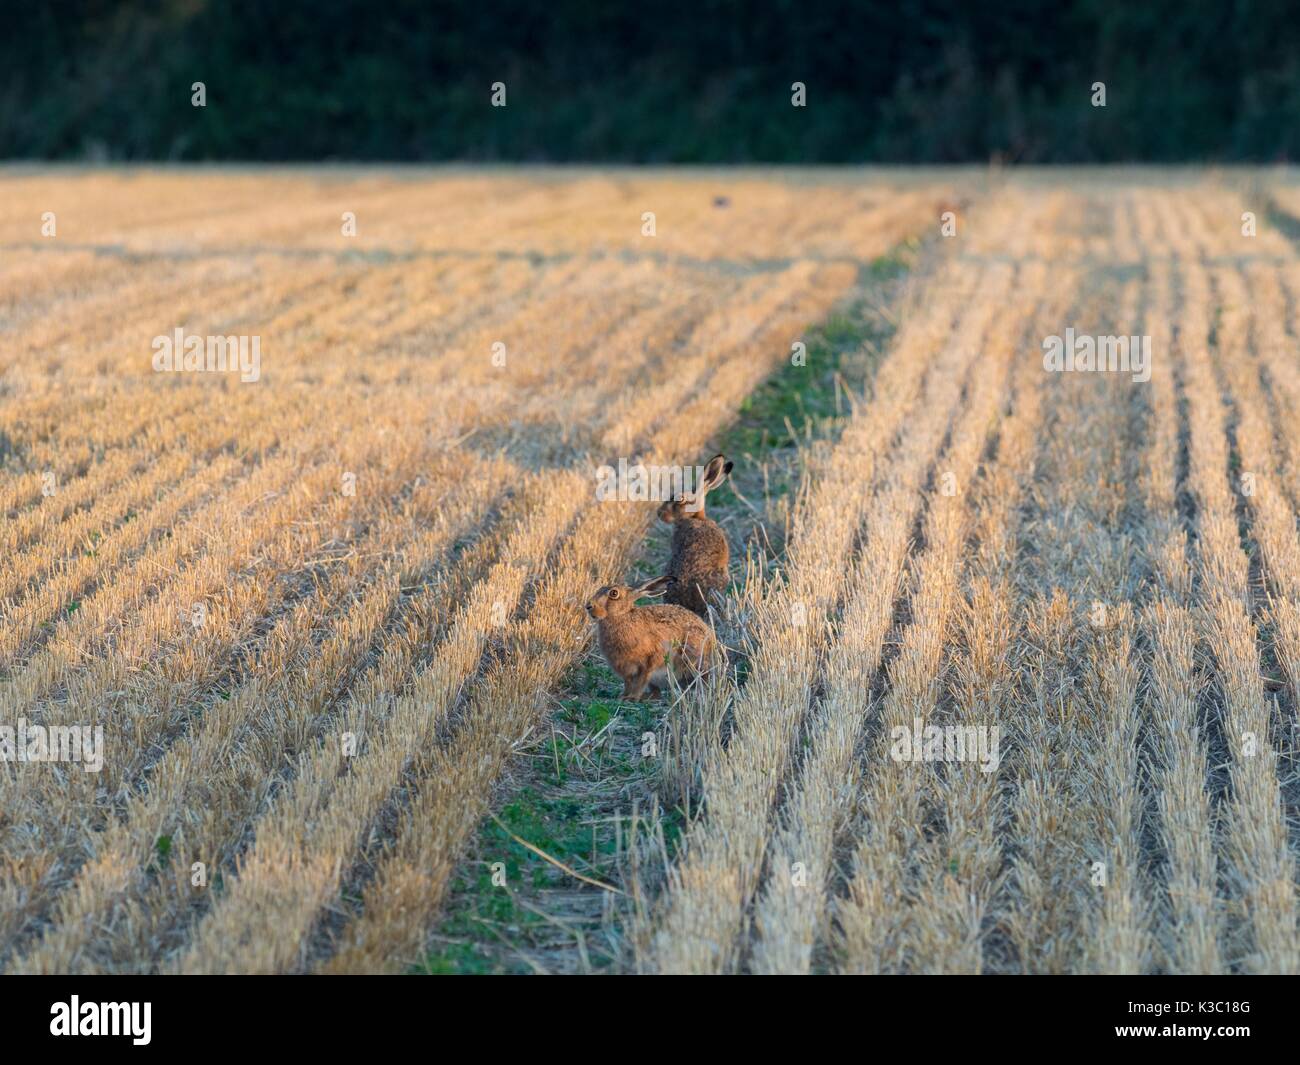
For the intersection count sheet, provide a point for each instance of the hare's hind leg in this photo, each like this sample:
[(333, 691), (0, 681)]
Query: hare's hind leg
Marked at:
[(687, 665)]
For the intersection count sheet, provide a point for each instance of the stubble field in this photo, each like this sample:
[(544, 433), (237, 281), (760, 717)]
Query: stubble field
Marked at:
[(329, 613)]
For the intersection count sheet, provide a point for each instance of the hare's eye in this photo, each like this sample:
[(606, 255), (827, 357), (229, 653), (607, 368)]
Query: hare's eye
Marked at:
[(613, 593)]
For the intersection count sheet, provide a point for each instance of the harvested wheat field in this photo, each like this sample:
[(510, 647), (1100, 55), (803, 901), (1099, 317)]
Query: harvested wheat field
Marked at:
[(1012, 641)]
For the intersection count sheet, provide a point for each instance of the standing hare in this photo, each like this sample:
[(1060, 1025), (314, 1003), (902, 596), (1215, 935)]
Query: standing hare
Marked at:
[(643, 644), (700, 552)]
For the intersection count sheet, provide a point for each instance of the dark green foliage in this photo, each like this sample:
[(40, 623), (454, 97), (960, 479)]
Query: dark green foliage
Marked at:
[(699, 81)]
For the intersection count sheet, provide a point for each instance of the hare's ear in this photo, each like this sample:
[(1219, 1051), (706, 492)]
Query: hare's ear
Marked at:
[(716, 472), (658, 586)]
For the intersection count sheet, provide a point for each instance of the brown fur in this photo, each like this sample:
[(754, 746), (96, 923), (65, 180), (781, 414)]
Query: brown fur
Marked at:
[(700, 551), (644, 643)]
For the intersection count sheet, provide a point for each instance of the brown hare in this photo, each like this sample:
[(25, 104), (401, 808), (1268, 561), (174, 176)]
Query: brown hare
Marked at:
[(700, 553), (643, 644)]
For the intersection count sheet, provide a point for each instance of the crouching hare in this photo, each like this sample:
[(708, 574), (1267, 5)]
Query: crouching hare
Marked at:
[(644, 644), (700, 552)]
